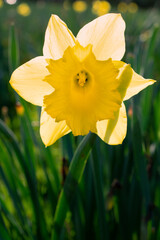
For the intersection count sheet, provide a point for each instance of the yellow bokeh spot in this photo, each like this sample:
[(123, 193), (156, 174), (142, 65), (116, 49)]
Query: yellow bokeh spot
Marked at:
[(132, 7), (122, 7), (79, 6), (66, 5), (19, 109), (110, 203), (24, 9), (101, 7), (1, 3), (11, 2)]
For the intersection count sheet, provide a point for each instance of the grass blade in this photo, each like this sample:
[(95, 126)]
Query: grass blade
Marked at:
[(13, 52), (97, 175)]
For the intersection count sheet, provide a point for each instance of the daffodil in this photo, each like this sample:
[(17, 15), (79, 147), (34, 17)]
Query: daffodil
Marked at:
[(80, 82)]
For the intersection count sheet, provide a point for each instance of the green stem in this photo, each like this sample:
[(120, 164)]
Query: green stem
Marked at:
[(76, 170)]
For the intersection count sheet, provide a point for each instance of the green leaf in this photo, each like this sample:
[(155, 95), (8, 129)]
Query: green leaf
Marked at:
[(13, 50), (41, 224), (139, 159)]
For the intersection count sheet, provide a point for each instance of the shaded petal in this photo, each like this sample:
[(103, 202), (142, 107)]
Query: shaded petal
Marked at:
[(57, 38), (124, 77), (50, 130), (135, 84), (27, 80), (106, 34), (114, 131)]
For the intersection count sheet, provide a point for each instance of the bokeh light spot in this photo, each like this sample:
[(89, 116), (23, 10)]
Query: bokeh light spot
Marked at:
[(11, 2)]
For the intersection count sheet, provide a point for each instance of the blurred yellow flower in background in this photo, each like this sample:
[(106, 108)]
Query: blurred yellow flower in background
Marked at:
[(1, 3), (124, 7), (24, 9), (80, 82), (19, 109), (66, 5), (132, 7), (79, 6), (145, 36), (101, 7)]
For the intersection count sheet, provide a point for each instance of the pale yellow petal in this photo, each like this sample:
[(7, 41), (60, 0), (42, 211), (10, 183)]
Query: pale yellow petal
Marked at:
[(50, 130), (57, 38), (137, 82), (106, 34), (114, 131), (27, 80)]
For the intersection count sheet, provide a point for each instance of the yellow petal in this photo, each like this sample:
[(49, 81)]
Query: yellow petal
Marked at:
[(81, 52), (27, 80), (57, 38), (114, 131), (106, 34), (50, 130), (137, 82)]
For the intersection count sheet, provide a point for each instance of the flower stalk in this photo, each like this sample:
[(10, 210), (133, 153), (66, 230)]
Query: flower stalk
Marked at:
[(76, 170)]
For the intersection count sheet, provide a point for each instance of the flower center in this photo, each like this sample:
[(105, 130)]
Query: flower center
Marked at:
[(82, 78)]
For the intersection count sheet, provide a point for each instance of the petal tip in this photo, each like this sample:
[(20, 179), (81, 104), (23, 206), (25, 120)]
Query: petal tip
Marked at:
[(54, 16), (11, 81), (153, 81)]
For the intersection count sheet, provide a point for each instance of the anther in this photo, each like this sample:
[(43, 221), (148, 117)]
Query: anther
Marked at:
[(82, 78)]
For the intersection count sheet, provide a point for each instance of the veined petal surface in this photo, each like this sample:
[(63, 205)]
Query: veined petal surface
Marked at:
[(106, 34), (50, 130), (57, 38), (27, 81), (113, 131), (136, 83)]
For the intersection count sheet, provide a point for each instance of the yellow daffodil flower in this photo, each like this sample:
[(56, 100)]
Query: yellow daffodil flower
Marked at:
[(80, 82), (79, 6)]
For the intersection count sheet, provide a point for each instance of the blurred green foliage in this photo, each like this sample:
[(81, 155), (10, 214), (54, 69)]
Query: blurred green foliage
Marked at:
[(118, 196), (142, 3)]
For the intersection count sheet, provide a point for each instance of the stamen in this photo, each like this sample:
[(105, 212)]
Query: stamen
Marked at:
[(82, 78)]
